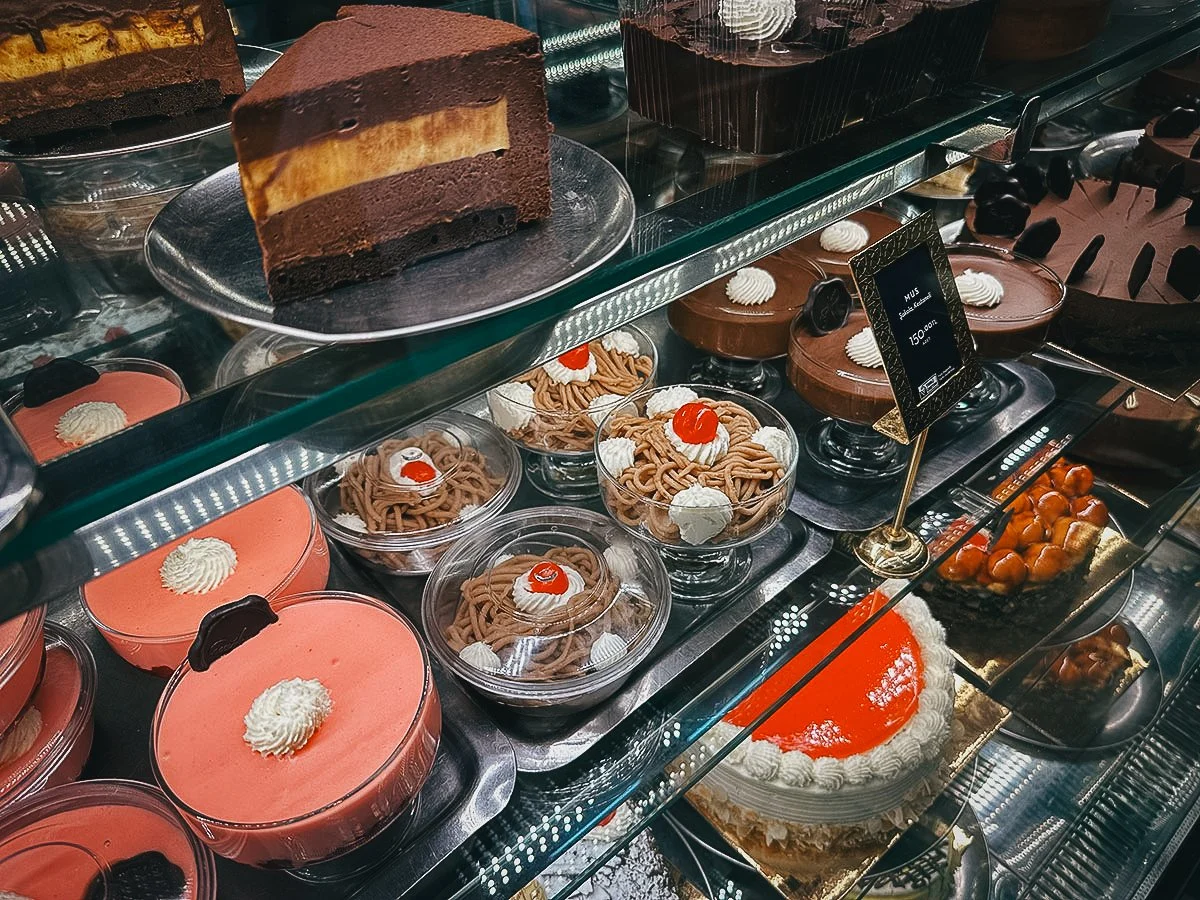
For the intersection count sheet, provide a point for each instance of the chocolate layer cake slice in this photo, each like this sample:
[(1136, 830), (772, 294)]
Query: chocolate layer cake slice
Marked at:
[(68, 64), (390, 135)]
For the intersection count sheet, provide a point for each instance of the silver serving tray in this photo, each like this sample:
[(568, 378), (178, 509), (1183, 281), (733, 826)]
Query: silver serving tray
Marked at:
[(202, 248)]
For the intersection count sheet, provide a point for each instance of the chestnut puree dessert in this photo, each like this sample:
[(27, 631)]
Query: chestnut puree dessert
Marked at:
[(390, 135), (1009, 301), (304, 740), (823, 372), (66, 64), (749, 314), (831, 247)]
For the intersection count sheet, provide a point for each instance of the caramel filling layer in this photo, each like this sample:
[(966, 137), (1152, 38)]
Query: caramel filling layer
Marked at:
[(289, 178), (85, 43)]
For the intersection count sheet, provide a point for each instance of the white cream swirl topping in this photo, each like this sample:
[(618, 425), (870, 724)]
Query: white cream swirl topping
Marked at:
[(750, 286), (599, 407), (669, 400), (846, 236), (350, 521), (708, 453), (774, 441), (198, 565), (616, 454), (982, 290), (528, 598), (621, 342), (622, 562), (481, 656), (607, 650), (560, 373), (863, 350), (757, 20), (402, 458), (511, 405), (701, 513), (89, 422), (284, 717), (20, 737)]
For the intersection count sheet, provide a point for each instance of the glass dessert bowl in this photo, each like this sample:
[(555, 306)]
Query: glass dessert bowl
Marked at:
[(1010, 301), (306, 739), (22, 652), (258, 350), (50, 741), (552, 411), (832, 247), (149, 610), (66, 404), (667, 467), (401, 505), (837, 370), (745, 320), (547, 610), (102, 839)]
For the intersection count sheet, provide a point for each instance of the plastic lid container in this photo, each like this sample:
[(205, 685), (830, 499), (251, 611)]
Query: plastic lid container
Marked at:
[(472, 472), (64, 703), (256, 351), (654, 489), (101, 837), (21, 648), (546, 609), (358, 766), (545, 416)]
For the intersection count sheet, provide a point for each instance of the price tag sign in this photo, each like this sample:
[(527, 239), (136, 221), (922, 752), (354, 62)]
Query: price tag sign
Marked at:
[(908, 291)]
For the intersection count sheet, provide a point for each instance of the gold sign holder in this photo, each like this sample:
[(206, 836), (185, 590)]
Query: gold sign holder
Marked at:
[(920, 291)]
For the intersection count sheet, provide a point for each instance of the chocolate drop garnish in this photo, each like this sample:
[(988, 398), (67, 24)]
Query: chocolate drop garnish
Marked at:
[(147, 876), (1114, 183), (1184, 272), (1140, 270), (55, 379), (993, 190), (1059, 177), (827, 307), (1194, 153), (1179, 122), (228, 627), (1039, 238), (1032, 181), (1171, 188), (1192, 217), (1005, 215), (1086, 258)]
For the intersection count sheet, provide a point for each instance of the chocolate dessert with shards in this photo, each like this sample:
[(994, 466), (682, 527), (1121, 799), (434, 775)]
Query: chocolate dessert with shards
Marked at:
[(390, 135), (760, 77), (1128, 254), (67, 65), (1171, 140), (749, 314)]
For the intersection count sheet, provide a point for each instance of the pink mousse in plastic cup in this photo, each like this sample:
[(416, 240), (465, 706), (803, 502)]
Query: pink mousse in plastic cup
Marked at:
[(149, 610), (101, 838), (21, 653), (50, 741), (363, 725)]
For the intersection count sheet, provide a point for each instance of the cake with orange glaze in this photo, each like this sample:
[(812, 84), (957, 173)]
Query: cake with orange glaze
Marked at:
[(854, 754), (149, 609)]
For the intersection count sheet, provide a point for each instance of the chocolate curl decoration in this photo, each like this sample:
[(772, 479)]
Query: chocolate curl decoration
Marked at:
[(1140, 270), (1038, 239), (1184, 272), (1085, 260), (1171, 188), (1059, 177)]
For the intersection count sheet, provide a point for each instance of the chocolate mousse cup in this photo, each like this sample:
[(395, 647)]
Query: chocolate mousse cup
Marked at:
[(879, 223), (742, 336), (854, 398)]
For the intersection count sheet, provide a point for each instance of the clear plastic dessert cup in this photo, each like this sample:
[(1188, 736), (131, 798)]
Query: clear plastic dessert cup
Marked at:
[(560, 461), (101, 839), (362, 739), (678, 497), (50, 742), (546, 610), (280, 549), (475, 473), (21, 658), (142, 388), (258, 350)]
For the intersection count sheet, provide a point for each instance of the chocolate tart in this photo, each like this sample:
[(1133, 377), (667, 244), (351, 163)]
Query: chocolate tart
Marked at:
[(709, 320), (879, 224), (1144, 434), (1130, 302), (830, 382)]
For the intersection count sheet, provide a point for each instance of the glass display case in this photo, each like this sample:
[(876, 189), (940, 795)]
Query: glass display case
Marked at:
[(529, 668)]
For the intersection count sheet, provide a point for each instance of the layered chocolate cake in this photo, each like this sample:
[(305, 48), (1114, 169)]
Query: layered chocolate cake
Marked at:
[(66, 64), (390, 135), (1128, 255)]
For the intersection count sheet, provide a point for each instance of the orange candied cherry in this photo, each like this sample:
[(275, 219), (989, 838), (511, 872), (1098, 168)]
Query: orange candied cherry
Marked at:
[(1072, 480), (695, 423), (548, 578), (1045, 562), (1090, 509), (1008, 571), (964, 564), (1052, 506), (577, 358), (419, 471)]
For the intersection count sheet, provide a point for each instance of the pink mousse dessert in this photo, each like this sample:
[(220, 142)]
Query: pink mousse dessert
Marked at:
[(21, 655), (50, 741), (127, 391), (306, 739), (149, 610), (101, 839)]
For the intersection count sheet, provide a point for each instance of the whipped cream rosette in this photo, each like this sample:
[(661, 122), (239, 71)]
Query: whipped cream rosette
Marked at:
[(546, 608), (400, 504)]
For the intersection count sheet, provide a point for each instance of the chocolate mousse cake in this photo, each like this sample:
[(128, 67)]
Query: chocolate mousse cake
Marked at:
[(66, 64), (390, 135), (832, 247), (1128, 255), (1171, 140), (749, 314), (840, 373)]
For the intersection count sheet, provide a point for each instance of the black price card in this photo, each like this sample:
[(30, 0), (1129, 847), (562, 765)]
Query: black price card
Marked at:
[(908, 292)]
